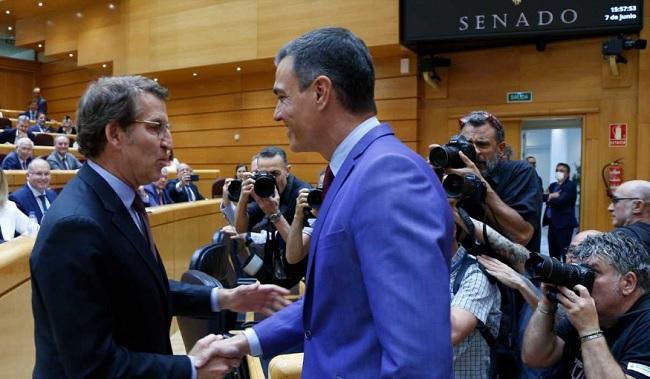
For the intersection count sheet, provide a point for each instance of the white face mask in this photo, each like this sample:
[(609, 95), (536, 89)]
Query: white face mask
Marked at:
[(559, 175)]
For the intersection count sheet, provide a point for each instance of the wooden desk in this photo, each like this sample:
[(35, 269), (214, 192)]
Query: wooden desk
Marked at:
[(39, 151), (18, 178), (178, 230)]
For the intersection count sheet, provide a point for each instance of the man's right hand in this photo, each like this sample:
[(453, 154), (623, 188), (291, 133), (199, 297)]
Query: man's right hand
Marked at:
[(247, 186), (214, 357)]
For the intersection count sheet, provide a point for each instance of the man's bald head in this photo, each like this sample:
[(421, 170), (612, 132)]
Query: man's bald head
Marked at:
[(631, 203)]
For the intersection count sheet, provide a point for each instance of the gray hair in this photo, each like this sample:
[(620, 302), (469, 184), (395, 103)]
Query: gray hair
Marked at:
[(24, 141), (23, 118), (624, 253), (110, 99), (343, 58)]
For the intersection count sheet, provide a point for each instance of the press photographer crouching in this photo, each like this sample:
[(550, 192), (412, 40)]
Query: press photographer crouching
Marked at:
[(605, 331), (513, 198), (273, 191)]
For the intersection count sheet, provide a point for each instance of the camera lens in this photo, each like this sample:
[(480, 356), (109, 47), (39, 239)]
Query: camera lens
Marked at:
[(550, 270), (234, 190), (438, 157), (264, 184), (315, 198)]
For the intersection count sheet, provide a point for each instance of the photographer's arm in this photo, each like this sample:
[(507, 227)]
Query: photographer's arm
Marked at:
[(541, 346), (241, 216), (463, 324), (513, 253), (298, 242), (510, 278)]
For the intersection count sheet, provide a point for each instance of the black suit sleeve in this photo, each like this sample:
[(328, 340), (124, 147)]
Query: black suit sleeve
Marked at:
[(78, 307)]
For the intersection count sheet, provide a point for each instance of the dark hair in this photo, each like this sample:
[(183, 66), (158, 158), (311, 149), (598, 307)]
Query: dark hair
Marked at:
[(272, 151), (479, 118), (622, 252), (238, 165), (568, 169), (110, 99), (343, 58)]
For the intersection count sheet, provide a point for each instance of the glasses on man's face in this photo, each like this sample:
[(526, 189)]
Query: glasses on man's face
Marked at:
[(479, 118), (617, 199), (156, 127)]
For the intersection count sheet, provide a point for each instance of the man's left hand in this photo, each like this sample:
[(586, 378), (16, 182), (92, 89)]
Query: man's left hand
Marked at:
[(580, 309), (268, 205), (470, 168), (263, 298)]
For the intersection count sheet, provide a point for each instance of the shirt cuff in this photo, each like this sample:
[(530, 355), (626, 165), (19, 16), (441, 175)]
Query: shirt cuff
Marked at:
[(214, 300), (194, 373), (253, 342), (253, 264), (259, 238)]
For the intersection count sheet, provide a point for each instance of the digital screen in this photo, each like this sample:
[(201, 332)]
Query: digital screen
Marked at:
[(429, 22)]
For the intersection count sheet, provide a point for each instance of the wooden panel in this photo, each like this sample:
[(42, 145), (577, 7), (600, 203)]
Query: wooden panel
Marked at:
[(17, 330), (401, 109), (204, 104), (395, 88), (78, 76)]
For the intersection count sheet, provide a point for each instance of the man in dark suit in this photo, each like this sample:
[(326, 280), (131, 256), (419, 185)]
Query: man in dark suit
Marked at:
[(101, 300), (21, 157), (60, 159), (181, 189), (156, 192), (35, 196), (13, 135), (40, 100), (560, 211), (377, 299), (32, 111)]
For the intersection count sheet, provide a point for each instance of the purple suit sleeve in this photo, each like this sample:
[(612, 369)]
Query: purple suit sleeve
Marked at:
[(281, 331)]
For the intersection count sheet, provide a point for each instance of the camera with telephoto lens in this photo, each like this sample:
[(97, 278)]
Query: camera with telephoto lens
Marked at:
[(551, 271), (446, 156), (264, 184), (234, 190), (315, 198), (464, 187)]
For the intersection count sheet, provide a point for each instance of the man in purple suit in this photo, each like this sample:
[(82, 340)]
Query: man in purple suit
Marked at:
[(377, 299)]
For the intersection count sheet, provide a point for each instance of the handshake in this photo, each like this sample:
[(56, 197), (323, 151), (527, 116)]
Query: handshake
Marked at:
[(215, 356)]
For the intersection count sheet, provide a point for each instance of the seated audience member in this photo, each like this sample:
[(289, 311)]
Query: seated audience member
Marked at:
[(12, 220), (21, 157), (13, 135), (630, 209), (66, 126), (181, 189), (560, 213), (35, 196), (60, 159), (32, 111), (605, 331), (155, 193), (39, 126)]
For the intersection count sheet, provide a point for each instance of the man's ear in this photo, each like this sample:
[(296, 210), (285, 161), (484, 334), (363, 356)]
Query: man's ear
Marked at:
[(113, 134), (628, 283), (289, 168), (323, 89), (501, 148)]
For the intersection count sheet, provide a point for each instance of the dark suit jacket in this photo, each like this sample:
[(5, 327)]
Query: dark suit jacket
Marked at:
[(181, 197), (26, 202), (563, 208), (102, 303), (372, 254), (9, 136), (56, 163), (150, 189), (42, 105), (11, 162), (30, 115)]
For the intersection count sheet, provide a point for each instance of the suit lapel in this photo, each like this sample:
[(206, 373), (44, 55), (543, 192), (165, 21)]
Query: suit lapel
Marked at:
[(123, 222)]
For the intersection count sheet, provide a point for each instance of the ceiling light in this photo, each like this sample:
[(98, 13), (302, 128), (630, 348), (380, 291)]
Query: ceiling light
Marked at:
[(40, 4), (79, 14), (9, 28), (104, 65), (238, 68), (40, 45), (8, 11), (195, 74), (111, 6), (71, 55), (155, 79)]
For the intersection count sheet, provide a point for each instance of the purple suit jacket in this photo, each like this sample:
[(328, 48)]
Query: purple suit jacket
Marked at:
[(377, 298)]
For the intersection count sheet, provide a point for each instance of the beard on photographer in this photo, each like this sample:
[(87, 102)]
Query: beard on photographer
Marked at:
[(513, 201)]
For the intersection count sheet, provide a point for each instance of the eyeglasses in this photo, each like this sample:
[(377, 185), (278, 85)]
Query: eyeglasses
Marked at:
[(156, 127), (479, 118), (617, 199)]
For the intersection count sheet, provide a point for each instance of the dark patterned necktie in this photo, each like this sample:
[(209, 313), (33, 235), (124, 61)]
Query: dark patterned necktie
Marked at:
[(138, 206), (43, 202), (327, 180)]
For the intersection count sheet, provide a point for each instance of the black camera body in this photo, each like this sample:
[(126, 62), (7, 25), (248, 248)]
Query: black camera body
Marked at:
[(234, 190), (446, 156), (465, 187), (315, 198), (264, 184), (551, 271)]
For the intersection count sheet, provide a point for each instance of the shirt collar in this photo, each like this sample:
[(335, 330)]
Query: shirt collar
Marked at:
[(35, 191), (343, 149), (123, 191)]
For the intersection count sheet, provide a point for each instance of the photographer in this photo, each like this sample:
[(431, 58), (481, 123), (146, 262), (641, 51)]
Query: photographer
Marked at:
[(181, 189), (513, 199), (273, 213), (300, 235), (605, 333)]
